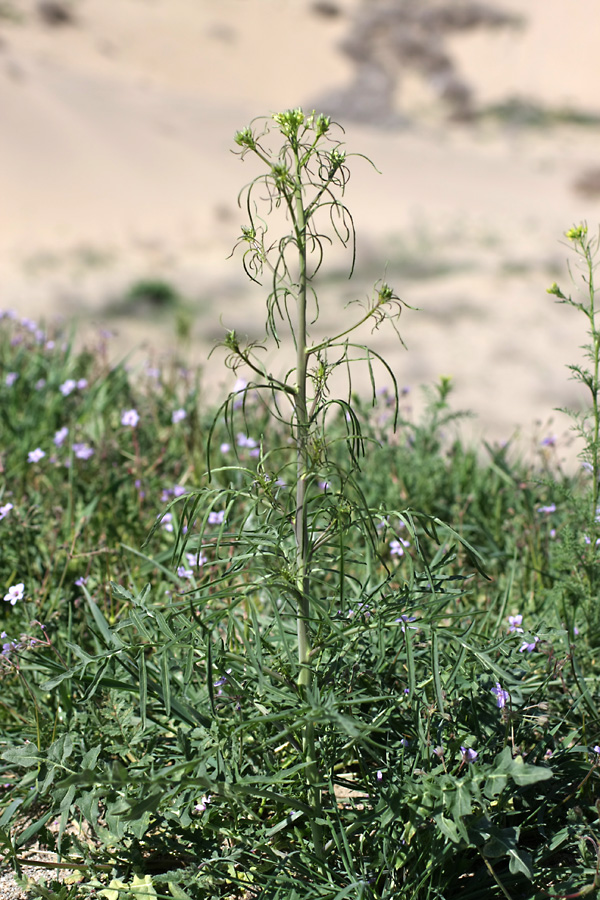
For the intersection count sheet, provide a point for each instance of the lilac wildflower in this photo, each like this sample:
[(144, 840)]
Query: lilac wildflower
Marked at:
[(15, 592), (596, 749), (10, 379), (182, 572), (514, 623), (547, 509), (4, 510), (397, 547), (324, 485), (379, 775), (82, 451), (225, 447), (243, 440), (178, 490), (529, 646), (196, 559), (130, 418), (40, 384), (468, 754), (80, 581), (67, 387), (167, 522), (60, 435), (200, 807), (405, 619), (178, 416), (35, 455), (501, 695), (216, 518), (549, 441), (82, 384)]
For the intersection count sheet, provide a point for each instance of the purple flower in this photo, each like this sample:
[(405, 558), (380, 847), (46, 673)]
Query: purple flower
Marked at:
[(82, 384), (15, 592), (67, 387), (526, 645), (40, 384), (243, 440), (596, 750), (501, 695), (178, 490), (404, 619), (82, 451), (196, 560), (216, 518), (514, 623), (35, 455), (60, 435), (225, 447), (379, 775), (10, 379), (80, 581), (167, 521), (468, 755), (547, 509), (4, 510), (178, 416), (182, 572), (549, 441), (200, 807), (397, 547), (130, 418)]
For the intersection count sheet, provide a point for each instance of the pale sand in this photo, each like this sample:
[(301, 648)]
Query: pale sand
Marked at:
[(115, 164)]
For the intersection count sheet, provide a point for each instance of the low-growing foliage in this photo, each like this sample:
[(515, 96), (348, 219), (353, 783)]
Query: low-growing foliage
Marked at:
[(340, 656)]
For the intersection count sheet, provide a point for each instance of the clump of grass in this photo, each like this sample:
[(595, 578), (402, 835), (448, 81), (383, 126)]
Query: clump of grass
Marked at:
[(342, 657)]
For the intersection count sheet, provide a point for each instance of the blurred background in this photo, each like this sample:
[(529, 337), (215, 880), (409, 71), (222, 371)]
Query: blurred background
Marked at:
[(118, 187)]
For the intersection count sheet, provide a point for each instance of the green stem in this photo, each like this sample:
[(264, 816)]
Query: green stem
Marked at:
[(595, 382), (305, 675)]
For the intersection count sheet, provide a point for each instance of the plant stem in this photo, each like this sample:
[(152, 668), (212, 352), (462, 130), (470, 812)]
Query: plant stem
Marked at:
[(595, 382), (305, 675)]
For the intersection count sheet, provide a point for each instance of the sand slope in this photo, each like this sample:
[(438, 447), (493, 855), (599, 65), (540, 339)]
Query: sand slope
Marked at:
[(115, 165)]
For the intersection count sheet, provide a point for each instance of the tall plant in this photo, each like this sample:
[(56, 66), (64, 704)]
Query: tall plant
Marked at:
[(305, 178)]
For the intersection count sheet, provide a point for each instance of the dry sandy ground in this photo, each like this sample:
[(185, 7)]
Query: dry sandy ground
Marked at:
[(115, 165)]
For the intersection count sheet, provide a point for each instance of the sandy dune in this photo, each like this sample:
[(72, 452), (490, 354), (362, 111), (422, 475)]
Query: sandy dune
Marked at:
[(115, 165)]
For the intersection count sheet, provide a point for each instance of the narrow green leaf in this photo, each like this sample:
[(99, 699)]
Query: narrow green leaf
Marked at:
[(143, 686)]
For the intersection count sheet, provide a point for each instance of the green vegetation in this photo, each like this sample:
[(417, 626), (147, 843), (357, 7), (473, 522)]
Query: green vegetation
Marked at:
[(298, 646)]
